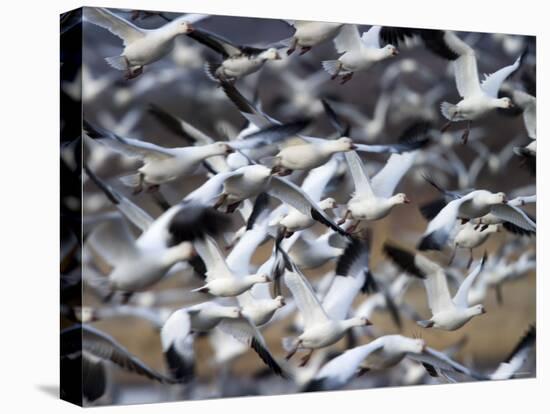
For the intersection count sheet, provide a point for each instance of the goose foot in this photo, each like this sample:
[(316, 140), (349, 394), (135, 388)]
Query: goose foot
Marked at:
[(139, 188), (292, 352), (446, 126), (466, 133), (304, 50), (306, 358), (362, 371), (346, 78), (232, 207), (343, 219), (220, 201)]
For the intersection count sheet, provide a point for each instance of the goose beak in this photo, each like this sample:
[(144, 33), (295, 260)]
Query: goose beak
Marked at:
[(407, 200), (278, 57), (367, 322), (511, 105), (229, 150), (353, 146), (483, 310), (395, 52), (190, 28), (283, 302), (424, 347)]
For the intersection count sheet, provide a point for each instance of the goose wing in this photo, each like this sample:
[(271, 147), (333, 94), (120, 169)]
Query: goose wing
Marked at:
[(387, 179), (105, 347), (492, 83), (465, 66), (216, 43), (358, 174), (139, 217), (348, 39), (210, 253), (441, 226), (305, 298), (243, 330), (113, 241), (509, 368), (431, 359), (371, 38), (118, 26), (514, 215), (291, 194), (461, 296), (340, 370), (177, 345)]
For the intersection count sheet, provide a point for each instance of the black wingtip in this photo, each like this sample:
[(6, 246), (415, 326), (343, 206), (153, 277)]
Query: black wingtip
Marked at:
[(266, 357), (315, 385), (260, 204), (113, 198), (429, 242), (180, 370), (192, 222), (528, 340), (321, 219), (431, 209), (403, 259), (353, 251), (371, 285)]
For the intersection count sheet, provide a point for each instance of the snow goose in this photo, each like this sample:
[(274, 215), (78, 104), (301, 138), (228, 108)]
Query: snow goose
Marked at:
[(231, 188), (470, 236), (477, 98), (315, 151), (309, 34), (492, 219), (373, 201), (517, 358), (358, 52), (447, 313), (472, 205), (320, 328), (136, 263), (382, 353), (141, 46), (178, 329), (237, 61), (528, 156), (220, 281), (256, 303), (314, 185), (160, 164)]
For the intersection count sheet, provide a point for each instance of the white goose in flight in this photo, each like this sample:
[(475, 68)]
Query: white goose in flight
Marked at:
[(309, 34), (447, 313), (321, 328), (141, 46), (220, 281), (375, 200), (358, 52)]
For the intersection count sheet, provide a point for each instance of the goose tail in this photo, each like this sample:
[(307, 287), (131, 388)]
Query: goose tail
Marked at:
[(448, 110), (117, 62)]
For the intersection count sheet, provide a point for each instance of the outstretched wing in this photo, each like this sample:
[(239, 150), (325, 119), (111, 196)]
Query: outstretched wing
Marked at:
[(118, 26)]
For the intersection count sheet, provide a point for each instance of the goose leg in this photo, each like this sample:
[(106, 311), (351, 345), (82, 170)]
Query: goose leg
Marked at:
[(220, 201), (448, 124), (353, 227), (466, 133), (343, 219), (452, 256), (232, 207), (346, 78), (304, 50), (292, 47), (139, 188), (471, 258), (293, 351), (337, 73), (306, 358)]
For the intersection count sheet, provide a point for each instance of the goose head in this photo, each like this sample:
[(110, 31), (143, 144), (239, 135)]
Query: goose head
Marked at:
[(342, 144), (259, 278), (280, 301), (180, 26), (476, 310), (400, 198), (504, 102), (357, 321), (222, 148), (270, 54), (327, 203), (390, 50)]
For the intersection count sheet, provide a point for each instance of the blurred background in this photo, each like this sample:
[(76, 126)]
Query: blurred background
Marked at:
[(379, 104)]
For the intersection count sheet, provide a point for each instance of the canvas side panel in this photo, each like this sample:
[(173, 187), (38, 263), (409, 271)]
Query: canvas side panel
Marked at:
[(71, 206)]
